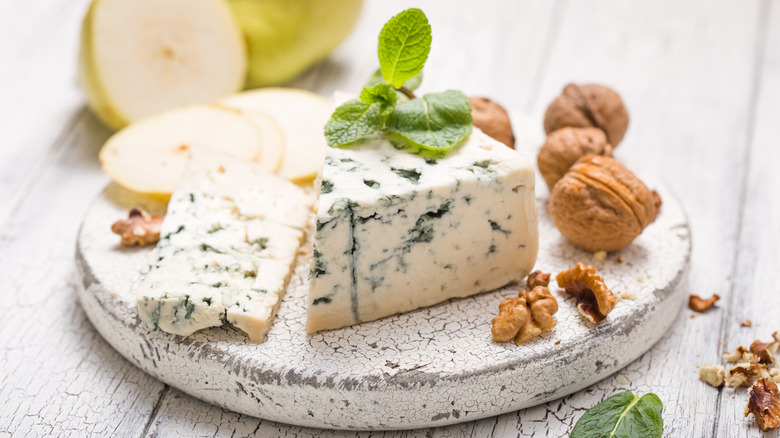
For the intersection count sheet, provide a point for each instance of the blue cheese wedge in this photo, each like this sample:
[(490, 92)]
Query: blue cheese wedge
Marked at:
[(227, 246), (396, 231)]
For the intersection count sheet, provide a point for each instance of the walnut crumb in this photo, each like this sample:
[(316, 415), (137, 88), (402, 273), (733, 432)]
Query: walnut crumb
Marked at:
[(746, 323), (620, 259), (699, 304), (713, 375), (537, 278), (559, 341), (624, 381), (740, 354), (765, 351), (139, 228), (764, 404), (745, 373), (628, 295), (599, 256)]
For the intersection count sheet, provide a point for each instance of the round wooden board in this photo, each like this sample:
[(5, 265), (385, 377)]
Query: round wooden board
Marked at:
[(429, 367)]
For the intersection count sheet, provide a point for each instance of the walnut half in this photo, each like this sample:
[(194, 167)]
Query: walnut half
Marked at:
[(139, 228), (764, 404), (594, 299), (526, 316)]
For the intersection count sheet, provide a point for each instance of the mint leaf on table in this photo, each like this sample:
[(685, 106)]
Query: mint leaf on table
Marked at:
[(411, 84), (404, 44), (623, 415), (352, 121), (436, 122)]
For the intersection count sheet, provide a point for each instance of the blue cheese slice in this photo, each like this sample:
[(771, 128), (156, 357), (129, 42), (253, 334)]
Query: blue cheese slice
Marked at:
[(228, 243), (396, 231)]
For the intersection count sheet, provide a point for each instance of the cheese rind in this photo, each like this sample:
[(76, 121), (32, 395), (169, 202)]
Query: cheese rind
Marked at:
[(228, 242), (396, 231)]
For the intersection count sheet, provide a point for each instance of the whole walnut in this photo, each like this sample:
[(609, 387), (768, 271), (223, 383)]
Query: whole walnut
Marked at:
[(600, 205), (567, 145), (492, 119), (588, 105)]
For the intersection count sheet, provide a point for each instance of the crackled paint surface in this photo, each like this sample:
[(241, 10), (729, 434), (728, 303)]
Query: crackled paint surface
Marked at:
[(433, 366)]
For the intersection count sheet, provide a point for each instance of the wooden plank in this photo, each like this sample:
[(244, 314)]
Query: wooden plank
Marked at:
[(57, 376), (38, 88), (685, 71), (688, 64), (494, 49), (755, 292), (182, 415)]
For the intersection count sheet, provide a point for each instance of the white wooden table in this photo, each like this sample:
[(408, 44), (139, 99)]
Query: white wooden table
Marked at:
[(701, 79)]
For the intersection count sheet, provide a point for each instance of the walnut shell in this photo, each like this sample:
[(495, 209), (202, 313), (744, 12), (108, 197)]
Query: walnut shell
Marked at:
[(567, 145), (492, 119), (600, 205), (588, 105)]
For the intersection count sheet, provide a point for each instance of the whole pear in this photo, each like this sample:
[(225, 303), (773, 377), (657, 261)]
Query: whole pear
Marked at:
[(285, 37)]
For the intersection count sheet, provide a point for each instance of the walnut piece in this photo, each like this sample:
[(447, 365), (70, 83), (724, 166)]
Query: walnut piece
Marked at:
[(600, 205), (740, 354), (713, 375), (588, 105), (526, 316), (594, 299), (538, 278), (743, 374), (139, 228), (567, 145), (699, 304), (764, 404), (765, 352), (774, 374), (492, 119)]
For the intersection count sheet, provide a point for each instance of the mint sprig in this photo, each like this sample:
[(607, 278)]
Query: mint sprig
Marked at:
[(437, 121), (410, 85), (359, 118), (404, 44), (621, 416), (434, 123)]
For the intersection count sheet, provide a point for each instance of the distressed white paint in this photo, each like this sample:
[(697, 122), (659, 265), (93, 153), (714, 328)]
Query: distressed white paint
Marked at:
[(689, 72)]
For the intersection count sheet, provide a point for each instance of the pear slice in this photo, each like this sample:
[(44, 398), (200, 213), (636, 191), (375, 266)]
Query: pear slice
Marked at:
[(141, 57), (302, 116), (150, 155), (272, 139)]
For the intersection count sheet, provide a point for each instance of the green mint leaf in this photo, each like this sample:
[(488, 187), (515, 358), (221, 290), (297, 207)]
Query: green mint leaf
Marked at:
[(436, 122), (352, 121), (382, 94), (404, 44), (622, 415), (412, 84)]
